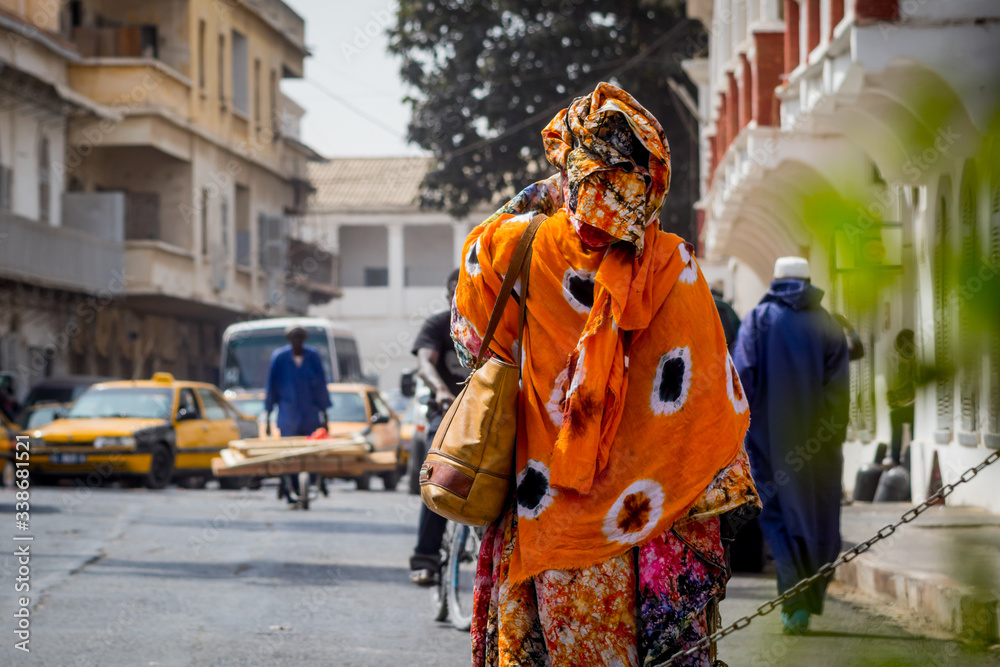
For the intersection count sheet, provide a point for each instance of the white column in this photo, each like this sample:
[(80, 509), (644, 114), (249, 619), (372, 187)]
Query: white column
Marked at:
[(824, 21), (769, 10), (328, 235), (739, 25), (727, 49), (803, 32), (397, 267)]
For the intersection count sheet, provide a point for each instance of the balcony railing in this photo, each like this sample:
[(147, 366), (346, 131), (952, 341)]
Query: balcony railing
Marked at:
[(155, 267), (101, 214), (137, 41), (60, 257), (296, 300), (131, 84)]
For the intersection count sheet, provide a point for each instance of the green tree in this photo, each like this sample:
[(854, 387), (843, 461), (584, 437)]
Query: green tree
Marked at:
[(488, 75)]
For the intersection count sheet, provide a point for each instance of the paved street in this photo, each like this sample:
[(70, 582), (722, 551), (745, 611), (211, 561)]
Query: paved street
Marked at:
[(132, 577), (847, 635)]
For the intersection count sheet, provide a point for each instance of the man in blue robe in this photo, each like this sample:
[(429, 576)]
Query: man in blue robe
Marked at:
[(296, 384), (792, 357)]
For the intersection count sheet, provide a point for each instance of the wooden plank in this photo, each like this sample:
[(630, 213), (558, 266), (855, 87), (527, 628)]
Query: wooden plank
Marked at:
[(275, 456), (345, 455), (328, 451), (338, 467), (293, 442)]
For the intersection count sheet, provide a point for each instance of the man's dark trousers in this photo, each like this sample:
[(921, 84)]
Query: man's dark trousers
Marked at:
[(430, 529), (292, 481)]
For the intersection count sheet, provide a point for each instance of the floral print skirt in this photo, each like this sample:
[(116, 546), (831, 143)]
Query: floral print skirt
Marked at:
[(588, 616)]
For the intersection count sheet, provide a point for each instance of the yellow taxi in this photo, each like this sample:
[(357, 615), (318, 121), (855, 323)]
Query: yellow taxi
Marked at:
[(360, 407), (355, 408), (7, 435), (151, 431), (250, 403)]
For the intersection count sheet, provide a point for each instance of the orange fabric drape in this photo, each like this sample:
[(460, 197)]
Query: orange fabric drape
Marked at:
[(641, 444)]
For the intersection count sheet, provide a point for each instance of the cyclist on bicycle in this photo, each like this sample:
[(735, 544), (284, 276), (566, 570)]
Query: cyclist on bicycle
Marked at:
[(440, 369)]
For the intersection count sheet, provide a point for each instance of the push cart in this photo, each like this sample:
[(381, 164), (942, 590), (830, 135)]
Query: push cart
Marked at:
[(348, 455)]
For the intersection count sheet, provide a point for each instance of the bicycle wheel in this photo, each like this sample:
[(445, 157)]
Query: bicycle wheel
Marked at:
[(461, 579), (439, 592), (304, 490)]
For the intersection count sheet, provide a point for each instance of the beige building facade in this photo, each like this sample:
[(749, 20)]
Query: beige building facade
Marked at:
[(394, 256), (176, 146), (56, 269)]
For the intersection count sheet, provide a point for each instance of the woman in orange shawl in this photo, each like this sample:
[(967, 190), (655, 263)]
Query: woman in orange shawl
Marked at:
[(631, 417)]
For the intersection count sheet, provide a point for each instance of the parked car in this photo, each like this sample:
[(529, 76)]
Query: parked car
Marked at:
[(251, 404), (397, 402), (7, 433), (361, 408), (40, 414), (414, 430), (62, 389), (151, 431)]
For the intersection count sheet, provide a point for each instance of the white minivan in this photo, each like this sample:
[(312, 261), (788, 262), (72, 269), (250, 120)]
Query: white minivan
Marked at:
[(247, 349)]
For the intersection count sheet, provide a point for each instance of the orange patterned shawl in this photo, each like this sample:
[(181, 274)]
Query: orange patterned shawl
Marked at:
[(614, 444)]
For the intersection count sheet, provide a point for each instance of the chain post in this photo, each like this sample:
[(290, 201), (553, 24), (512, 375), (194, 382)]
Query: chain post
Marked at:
[(828, 568)]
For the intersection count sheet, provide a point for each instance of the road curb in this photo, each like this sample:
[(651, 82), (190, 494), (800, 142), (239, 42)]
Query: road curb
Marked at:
[(952, 606)]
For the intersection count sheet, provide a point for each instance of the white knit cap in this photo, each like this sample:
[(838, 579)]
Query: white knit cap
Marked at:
[(791, 267)]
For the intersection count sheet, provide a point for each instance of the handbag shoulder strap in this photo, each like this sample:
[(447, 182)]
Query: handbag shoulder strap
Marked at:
[(513, 271)]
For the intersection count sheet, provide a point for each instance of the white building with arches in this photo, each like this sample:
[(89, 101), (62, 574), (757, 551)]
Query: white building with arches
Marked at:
[(394, 256), (865, 136)]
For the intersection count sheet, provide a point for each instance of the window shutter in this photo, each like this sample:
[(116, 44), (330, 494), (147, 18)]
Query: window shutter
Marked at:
[(993, 416), (862, 372), (968, 341), (942, 331), (218, 261), (866, 329), (273, 249), (142, 215), (854, 368)]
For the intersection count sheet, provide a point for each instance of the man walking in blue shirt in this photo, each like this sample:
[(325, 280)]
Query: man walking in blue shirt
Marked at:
[(296, 384)]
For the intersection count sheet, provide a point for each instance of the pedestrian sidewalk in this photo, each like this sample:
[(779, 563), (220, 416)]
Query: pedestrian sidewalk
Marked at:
[(945, 566)]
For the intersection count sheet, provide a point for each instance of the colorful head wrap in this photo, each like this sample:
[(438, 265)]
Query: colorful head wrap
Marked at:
[(616, 160)]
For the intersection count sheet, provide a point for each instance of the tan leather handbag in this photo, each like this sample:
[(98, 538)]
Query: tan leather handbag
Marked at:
[(467, 474)]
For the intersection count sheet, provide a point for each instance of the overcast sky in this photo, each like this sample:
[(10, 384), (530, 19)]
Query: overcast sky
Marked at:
[(348, 43)]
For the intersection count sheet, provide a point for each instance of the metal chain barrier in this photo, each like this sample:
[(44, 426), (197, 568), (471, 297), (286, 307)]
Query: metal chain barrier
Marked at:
[(828, 569)]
